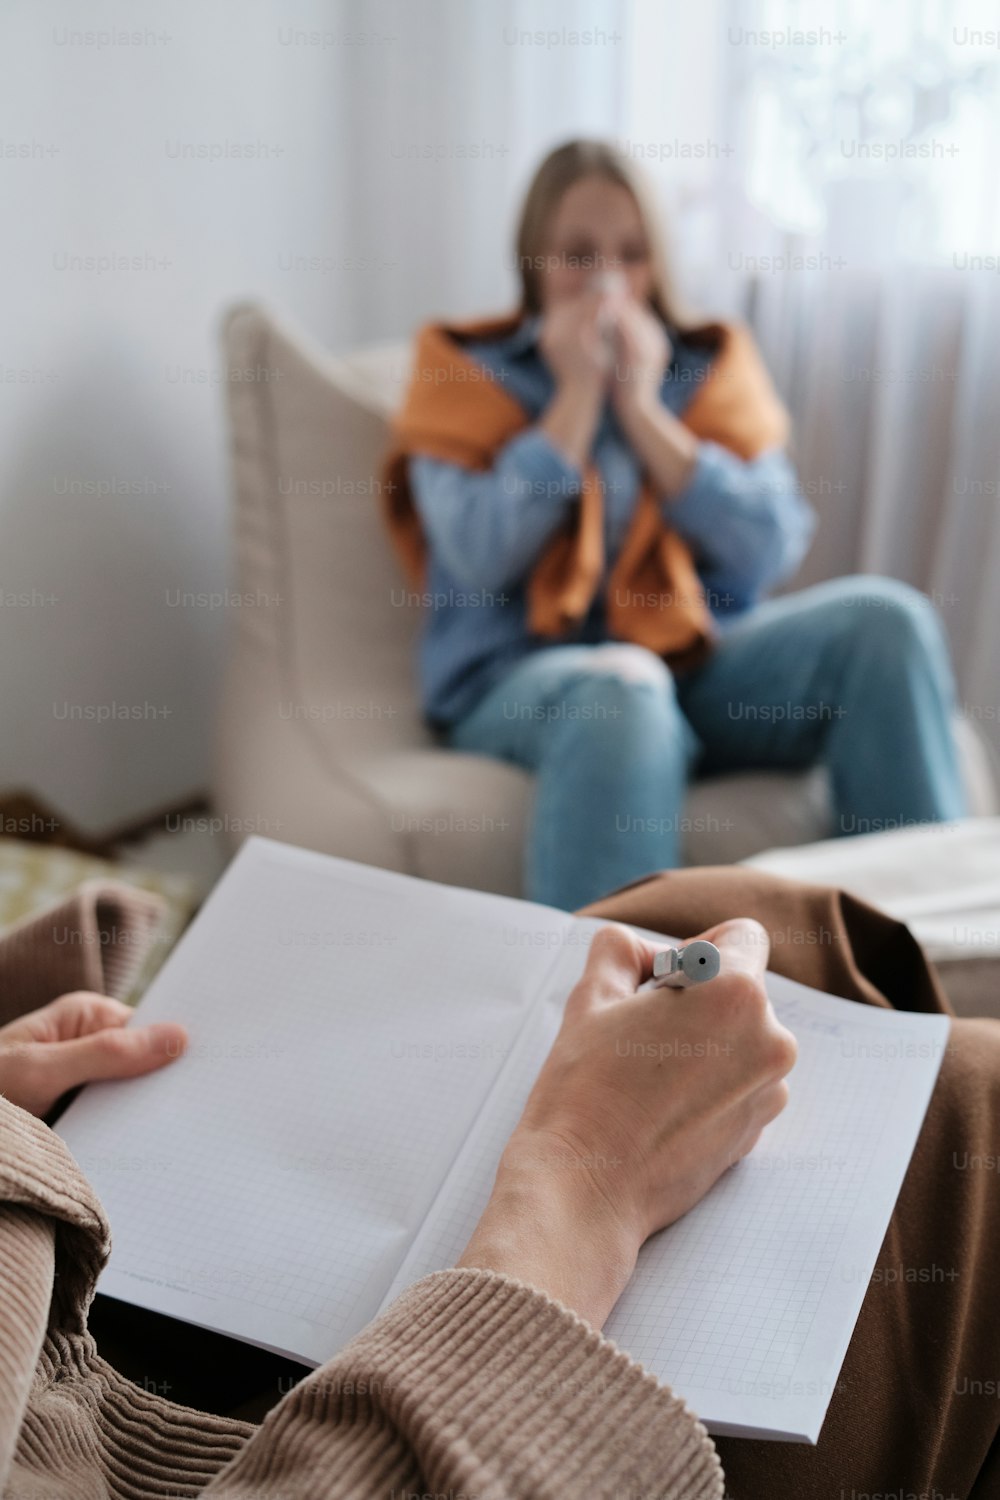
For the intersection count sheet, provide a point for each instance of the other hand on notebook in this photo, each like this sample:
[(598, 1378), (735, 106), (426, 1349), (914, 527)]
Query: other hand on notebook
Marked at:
[(644, 1101), (77, 1039)]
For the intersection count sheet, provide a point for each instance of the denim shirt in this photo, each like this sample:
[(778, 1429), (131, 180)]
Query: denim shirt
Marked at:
[(746, 523)]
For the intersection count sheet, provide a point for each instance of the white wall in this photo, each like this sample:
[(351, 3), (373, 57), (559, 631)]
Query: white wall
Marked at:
[(116, 378), (335, 96)]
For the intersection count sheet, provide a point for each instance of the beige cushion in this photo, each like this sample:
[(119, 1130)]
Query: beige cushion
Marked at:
[(321, 740)]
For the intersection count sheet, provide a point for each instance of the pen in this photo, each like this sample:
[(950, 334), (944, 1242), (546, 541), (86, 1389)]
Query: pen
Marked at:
[(679, 968)]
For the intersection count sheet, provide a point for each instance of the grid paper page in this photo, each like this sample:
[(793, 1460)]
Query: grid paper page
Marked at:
[(464, 1194), (746, 1305), (346, 1025)]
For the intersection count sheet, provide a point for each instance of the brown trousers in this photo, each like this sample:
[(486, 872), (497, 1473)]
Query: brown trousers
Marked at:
[(916, 1411)]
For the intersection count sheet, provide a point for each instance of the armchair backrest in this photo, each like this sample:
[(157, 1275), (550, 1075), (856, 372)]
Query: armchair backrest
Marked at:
[(326, 609)]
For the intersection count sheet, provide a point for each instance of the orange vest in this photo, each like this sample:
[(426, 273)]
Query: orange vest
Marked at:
[(457, 412)]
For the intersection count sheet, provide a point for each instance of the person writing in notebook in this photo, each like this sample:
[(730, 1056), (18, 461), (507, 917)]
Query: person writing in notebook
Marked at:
[(594, 497), (491, 1378)]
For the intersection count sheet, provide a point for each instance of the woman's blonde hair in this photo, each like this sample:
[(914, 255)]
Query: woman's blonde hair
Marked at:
[(559, 171)]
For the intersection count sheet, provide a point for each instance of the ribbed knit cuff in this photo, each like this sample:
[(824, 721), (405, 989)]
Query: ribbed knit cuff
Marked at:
[(475, 1384)]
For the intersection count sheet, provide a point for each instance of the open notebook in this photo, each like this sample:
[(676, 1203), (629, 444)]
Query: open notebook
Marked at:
[(361, 1047)]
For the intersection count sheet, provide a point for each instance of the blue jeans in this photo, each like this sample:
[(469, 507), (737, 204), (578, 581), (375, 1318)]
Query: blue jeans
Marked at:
[(853, 674)]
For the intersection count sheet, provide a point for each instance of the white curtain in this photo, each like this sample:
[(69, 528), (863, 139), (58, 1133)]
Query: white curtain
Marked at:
[(893, 383), (839, 189)]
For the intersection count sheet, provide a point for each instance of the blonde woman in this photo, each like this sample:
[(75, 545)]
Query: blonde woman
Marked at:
[(597, 497)]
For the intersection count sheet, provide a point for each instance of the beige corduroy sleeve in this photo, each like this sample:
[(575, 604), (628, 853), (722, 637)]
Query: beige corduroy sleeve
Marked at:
[(471, 1384)]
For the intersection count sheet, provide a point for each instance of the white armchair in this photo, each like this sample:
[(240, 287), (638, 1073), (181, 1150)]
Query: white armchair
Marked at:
[(320, 740)]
